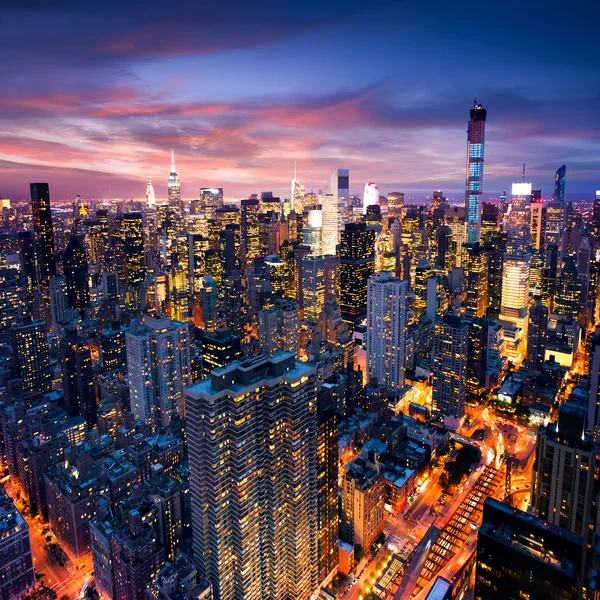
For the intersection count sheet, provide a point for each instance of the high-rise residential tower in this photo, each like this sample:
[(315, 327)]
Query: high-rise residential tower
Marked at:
[(450, 356), (475, 151), (158, 368), (31, 349), (43, 232), (252, 431), (386, 330)]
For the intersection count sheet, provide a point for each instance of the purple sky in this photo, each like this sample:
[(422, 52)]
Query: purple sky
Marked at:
[(94, 95)]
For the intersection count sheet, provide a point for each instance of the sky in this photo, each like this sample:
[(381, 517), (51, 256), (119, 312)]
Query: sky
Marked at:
[(94, 95)]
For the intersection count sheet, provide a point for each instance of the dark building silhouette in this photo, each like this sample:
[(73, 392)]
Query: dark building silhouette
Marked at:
[(75, 266), (520, 556), (77, 377), (43, 231), (536, 335), (357, 264)]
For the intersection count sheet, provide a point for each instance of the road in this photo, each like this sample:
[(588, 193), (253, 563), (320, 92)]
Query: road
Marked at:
[(66, 580)]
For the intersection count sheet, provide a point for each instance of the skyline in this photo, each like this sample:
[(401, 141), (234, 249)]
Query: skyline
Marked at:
[(97, 104)]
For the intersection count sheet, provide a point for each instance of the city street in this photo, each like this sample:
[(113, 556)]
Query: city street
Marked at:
[(66, 580)]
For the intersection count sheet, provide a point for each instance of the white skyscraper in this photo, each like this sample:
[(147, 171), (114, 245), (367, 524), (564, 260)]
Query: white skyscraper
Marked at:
[(331, 223), (150, 197), (312, 233), (370, 196), (339, 186), (158, 369), (386, 330), (516, 273), (297, 194)]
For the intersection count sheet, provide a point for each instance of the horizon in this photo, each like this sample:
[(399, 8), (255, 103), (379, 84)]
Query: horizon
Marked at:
[(241, 94)]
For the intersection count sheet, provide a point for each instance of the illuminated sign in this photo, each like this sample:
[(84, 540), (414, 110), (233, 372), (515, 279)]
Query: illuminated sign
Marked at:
[(521, 189)]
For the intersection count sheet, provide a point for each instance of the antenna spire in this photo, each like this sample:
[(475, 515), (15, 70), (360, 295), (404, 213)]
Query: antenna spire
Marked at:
[(523, 172), (172, 161)]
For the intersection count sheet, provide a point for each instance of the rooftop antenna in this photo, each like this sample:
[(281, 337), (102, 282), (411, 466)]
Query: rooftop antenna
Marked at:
[(523, 172), (474, 101)]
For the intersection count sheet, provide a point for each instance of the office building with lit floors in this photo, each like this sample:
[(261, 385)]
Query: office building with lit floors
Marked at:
[(357, 264), (252, 440), (327, 484), (386, 330), (522, 557), (450, 357), (17, 573), (32, 353), (565, 481)]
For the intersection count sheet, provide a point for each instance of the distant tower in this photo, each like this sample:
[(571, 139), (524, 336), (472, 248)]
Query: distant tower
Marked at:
[(43, 232), (297, 194), (370, 196), (174, 189), (559, 183), (150, 197), (475, 148)]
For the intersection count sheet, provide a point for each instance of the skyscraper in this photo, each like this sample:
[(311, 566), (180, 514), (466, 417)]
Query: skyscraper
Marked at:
[(339, 186), (386, 330), (133, 230), (370, 196), (158, 368), (252, 431), (560, 180), (520, 556), (75, 266), (297, 194), (150, 197), (32, 352), (565, 481), (43, 232), (174, 189), (312, 232), (77, 377), (249, 234), (536, 335), (476, 276), (516, 273), (331, 225), (475, 152), (357, 264), (450, 358), (313, 286), (327, 483)]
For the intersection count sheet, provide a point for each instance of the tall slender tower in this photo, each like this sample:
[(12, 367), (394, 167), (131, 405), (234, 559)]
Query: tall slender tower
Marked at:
[(386, 330), (150, 197), (475, 148), (43, 232), (174, 189)]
